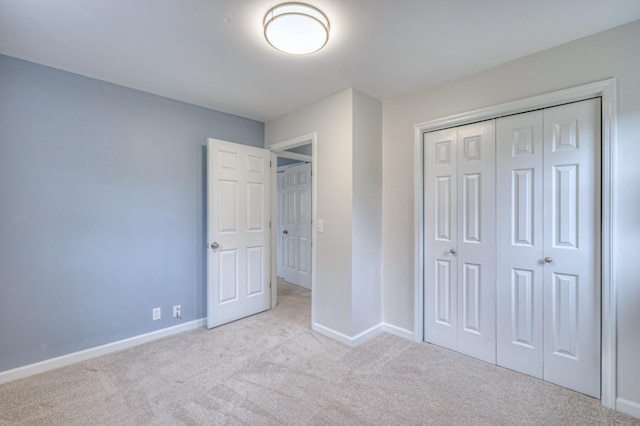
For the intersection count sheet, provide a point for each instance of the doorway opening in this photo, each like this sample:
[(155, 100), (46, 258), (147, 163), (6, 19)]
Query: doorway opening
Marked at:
[(294, 183), (294, 216)]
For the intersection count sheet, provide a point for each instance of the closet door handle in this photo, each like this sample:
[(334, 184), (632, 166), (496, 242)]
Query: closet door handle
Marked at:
[(548, 260), (453, 251)]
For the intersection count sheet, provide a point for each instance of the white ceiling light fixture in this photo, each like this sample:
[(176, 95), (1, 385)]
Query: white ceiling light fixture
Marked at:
[(296, 28)]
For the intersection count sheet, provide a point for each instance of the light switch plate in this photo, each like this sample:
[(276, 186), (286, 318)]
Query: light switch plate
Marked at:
[(320, 225)]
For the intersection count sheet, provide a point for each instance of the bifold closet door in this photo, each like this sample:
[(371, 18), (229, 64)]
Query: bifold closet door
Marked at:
[(519, 243), (460, 239), (572, 144), (440, 238), (548, 271)]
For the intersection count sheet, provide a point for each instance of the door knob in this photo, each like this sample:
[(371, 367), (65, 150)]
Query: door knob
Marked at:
[(548, 259), (285, 232), (215, 245), (453, 251)]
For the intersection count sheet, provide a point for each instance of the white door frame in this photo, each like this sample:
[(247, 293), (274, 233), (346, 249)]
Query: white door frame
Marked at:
[(277, 148), (606, 89)]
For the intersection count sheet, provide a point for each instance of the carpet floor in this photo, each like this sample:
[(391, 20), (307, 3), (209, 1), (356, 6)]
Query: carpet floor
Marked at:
[(272, 369)]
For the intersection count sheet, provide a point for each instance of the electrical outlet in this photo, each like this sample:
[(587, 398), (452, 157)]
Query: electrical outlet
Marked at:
[(177, 311), (156, 314)]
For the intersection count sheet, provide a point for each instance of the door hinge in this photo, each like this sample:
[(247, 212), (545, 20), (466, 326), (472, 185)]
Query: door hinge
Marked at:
[(269, 164), (269, 224), (269, 284)]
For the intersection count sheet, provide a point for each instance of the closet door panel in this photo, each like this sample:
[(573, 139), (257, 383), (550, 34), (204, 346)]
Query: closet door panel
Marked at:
[(476, 240), (440, 237), (519, 243), (571, 252)]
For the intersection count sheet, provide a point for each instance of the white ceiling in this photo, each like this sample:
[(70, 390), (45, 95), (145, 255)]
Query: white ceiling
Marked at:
[(212, 52)]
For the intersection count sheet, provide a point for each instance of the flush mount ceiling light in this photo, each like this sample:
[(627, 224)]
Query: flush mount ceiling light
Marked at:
[(296, 28)]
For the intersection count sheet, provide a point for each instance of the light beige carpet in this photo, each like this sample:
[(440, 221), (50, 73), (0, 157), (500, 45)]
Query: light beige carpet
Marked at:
[(271, 369)]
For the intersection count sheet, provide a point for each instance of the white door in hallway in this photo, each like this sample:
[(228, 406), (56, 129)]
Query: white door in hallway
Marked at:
[(296, 224), (460, 239), (238, 214), (280, 258), (548, 245)]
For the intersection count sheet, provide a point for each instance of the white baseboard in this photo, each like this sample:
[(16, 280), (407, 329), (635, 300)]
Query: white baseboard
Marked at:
[(72, 358), (367, 334), (628, 407), (398, 331), (348, 340), (332, 334)]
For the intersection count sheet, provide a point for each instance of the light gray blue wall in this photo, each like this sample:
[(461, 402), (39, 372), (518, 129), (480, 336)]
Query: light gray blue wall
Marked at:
[(102, 212)]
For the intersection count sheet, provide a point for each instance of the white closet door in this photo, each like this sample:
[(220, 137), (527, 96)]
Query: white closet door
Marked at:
[(548, 273), (460, 239), (476, 241), (520, 246), (571, 241), (440, 238)]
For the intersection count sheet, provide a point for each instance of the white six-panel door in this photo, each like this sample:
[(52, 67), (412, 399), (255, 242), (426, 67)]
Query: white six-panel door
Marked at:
[(296, 226), (548, 269), (460, 239), (238, 259)]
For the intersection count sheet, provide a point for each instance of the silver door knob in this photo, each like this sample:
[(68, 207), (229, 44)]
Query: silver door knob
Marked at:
[(453, 251), (548, 259), (215, 245), (285, 232)]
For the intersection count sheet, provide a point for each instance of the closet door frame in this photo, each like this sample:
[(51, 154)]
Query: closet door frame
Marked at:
[(606, 90)]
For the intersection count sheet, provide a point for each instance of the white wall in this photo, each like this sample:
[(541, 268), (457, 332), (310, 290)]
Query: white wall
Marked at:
[(367, 213), (614, 53), (331, 119), (347, 292)]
